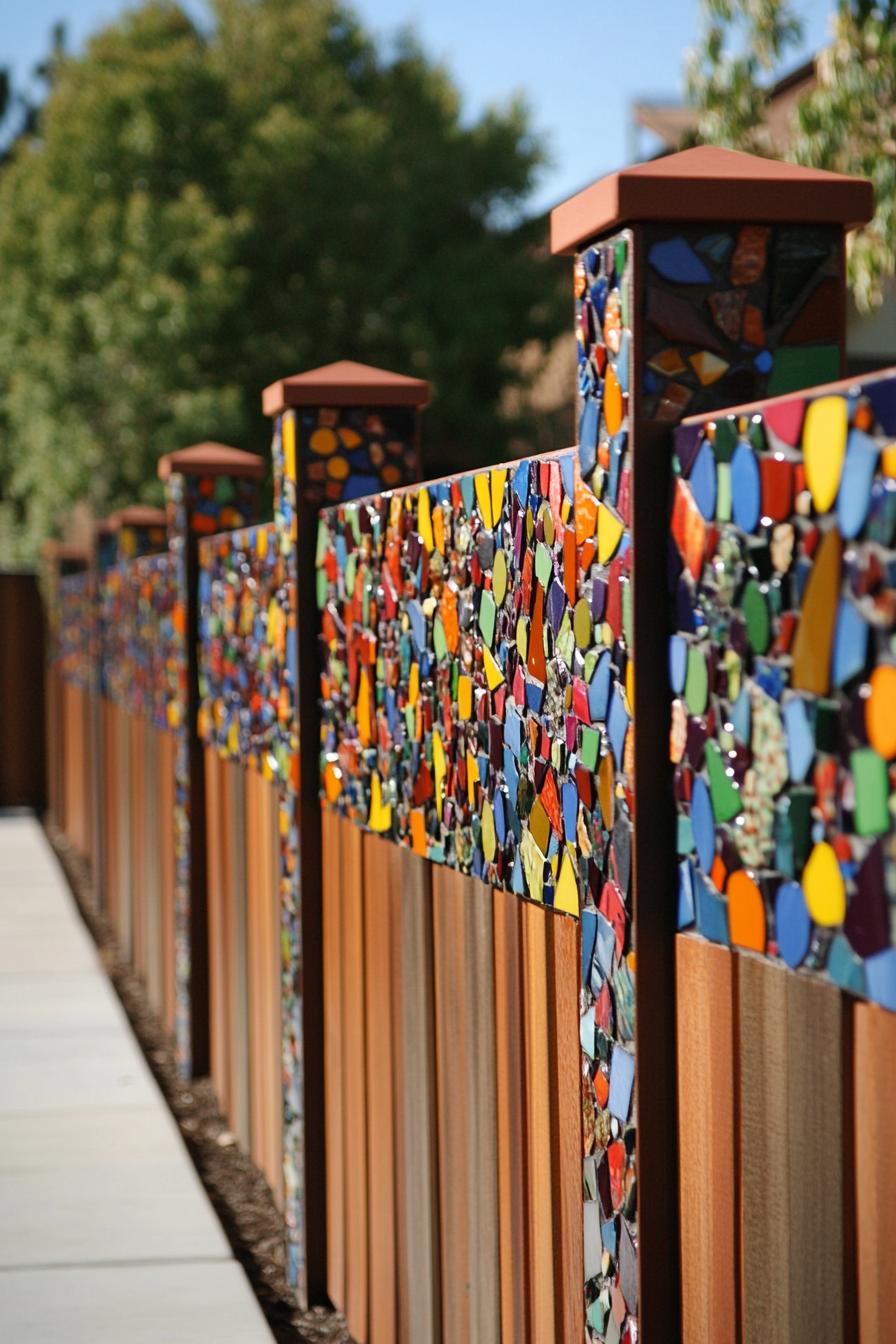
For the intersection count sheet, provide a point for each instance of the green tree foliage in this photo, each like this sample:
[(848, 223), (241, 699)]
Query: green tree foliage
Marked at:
[(847, 123), (202, 211)]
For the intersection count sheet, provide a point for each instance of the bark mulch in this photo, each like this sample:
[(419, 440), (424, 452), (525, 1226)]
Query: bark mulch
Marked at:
[(239, 1192)]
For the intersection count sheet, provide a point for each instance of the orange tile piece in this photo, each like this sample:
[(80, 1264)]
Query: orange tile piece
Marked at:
[(746, 912)]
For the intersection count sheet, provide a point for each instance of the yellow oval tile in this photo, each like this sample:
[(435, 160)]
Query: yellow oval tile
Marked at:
[(824, 447), (823, 886)]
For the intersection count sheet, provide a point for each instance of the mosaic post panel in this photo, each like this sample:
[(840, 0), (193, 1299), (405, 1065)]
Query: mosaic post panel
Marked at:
[(732, 314), (196, 506), (74, 630), (476, 708), (783, 672)]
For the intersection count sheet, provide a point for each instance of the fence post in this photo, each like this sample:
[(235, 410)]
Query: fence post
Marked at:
[(702, 279), (58, 560), (340, 431), (209, 488), (136, 529)]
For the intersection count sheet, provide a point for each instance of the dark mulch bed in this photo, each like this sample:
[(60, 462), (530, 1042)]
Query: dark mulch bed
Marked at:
[(239, 1192)]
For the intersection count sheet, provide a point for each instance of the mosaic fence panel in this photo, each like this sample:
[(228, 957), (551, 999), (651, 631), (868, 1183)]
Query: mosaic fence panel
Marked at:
[(732, 314), (783, 671), (141, 634), (74, 630), (476, 708)]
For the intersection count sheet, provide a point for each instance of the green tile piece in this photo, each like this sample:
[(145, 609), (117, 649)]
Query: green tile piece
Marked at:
[(872, 786), (799, 366), (590, 747), (486, 619), (756, 615), (543, 564), (726, 801), (725, 440), (696, 683)]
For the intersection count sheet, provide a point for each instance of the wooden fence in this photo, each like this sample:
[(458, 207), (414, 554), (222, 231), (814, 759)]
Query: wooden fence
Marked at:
[(556, 995)]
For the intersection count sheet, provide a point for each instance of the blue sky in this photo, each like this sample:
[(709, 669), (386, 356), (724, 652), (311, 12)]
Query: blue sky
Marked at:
[(580, 63)]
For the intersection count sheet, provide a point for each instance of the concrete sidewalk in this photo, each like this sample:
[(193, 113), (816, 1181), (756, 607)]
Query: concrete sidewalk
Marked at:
[(106, 1234)]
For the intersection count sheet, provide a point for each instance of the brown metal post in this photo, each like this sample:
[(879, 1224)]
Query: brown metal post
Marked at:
[(702, 279), (209, 488), (341, 431)]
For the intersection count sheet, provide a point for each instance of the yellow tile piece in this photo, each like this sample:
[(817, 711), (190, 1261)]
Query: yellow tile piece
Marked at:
[(630, 685), (424, 519), (489, 835), (380, 818), (261, 542), (472, 777), (823, 886), (566, 893), (498, 481), (493, 674), (289, 445), (365, 718), (484, 498), (464, 697), (438, 529), (609, 533), (414, 684), (533, 866), (438, 770), (888, 460), (708, 367), (824, 447)]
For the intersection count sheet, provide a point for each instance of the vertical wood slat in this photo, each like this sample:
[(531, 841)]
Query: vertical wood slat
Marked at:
[(229, 823), (126, 856), (271, 840), (166, 865), (874, 1035), (564, 972), (334, 1028), (138, 843), (153, 912), (239, 952), (706, 1116), (254, 932), (538, 1124), (110, 802), (511, 1106), (262, 934), (378, 972), (354, 1079), (790, 1035), (416, 1184), (217, 969), (465, 1064)]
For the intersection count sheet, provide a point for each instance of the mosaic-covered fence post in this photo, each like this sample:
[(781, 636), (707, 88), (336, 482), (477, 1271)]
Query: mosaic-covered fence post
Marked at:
[(339, 432), (672, 315), (209, 487)]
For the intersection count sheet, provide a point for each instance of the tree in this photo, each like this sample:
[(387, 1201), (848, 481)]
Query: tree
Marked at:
[(203, 211), (846, 123)]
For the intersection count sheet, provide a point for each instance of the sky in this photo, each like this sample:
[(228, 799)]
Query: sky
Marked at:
[(580, 63)]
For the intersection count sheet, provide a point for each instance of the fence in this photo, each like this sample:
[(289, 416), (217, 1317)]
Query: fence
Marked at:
[(532, 1028)]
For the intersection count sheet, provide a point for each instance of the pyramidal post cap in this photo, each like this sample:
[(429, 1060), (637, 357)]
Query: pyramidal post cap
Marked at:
[(345, 383), (713, 185), (211, 459)]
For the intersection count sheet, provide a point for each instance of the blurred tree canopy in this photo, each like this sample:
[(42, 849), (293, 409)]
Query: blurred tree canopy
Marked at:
[(195, 212), (846, 123)]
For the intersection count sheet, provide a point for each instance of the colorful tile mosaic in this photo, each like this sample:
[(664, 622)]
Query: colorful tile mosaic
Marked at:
[(73, 631), (343, 452), (732, 313), (477, 708), (783, 672), (196, 506), (141, 628)]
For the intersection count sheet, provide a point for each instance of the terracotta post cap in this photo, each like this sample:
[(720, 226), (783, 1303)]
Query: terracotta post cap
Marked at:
[(712, 185), (345, 383), (211, 459), (132, 515)]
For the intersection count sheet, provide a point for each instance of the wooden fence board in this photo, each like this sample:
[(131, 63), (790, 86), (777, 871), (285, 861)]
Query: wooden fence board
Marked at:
[(511, 1119), (166, 863), (152, 908), (125, 848), (333, 1048), (815, 1078), (239, 953), (378, 972), (875, 1167), (354, 1080), (217, 965), (790, 1042), (706, 1119), (416, 1199), (538, 1124), (138, 845), (465, 1063), (564, 972)]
